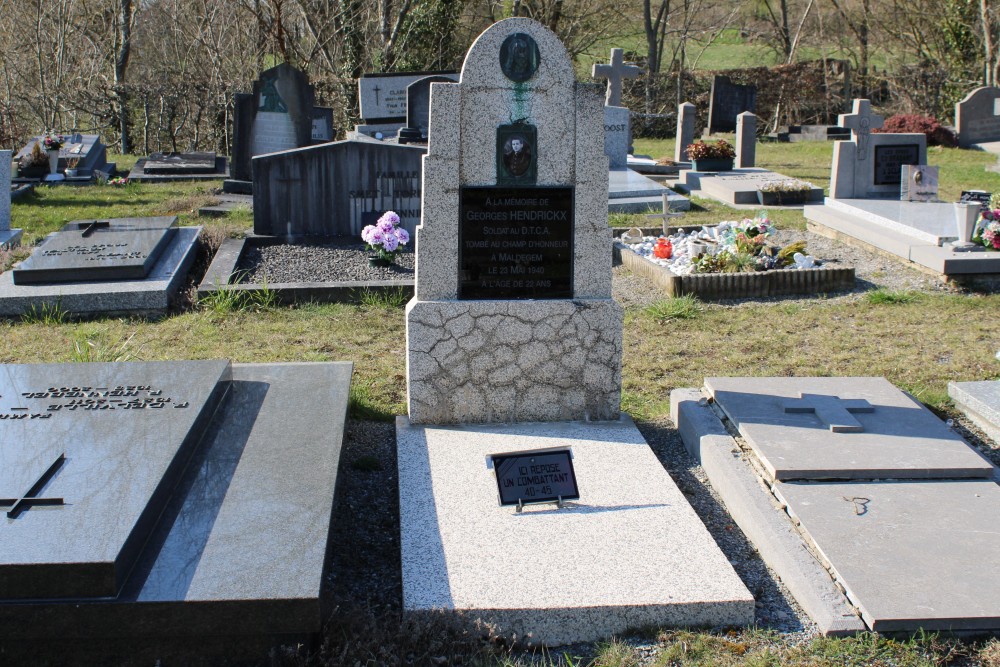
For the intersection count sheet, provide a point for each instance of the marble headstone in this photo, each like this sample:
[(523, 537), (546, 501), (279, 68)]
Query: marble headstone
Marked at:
[(277, 116), (977, 116), (685, 130), (871, 164), (727, 102), (512, 319)]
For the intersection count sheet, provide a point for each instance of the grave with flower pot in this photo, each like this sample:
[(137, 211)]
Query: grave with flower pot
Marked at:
[(48, 156), (731, 260), (870, 172)]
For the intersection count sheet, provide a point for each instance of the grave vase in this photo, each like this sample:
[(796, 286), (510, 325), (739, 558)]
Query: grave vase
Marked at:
[(54, 174), (713, 164), (379, 262)]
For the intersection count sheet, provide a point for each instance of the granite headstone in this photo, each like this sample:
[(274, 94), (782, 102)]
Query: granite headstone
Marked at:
[(382, 100), (728, 100), (977, 117), (8, 237)]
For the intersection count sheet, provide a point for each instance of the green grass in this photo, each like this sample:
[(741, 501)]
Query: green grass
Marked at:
[(887, 296), (684, 307)]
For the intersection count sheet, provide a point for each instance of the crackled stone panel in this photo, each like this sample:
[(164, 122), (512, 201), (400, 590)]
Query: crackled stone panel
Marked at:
[(504, 361)]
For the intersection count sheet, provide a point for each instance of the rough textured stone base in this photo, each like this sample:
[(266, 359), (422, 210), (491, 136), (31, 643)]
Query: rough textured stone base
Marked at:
[(980, 401), (513, 361), (629, 553)]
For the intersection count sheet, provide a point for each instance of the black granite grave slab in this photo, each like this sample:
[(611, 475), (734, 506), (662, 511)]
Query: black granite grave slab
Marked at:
[(181, 163), (236, 563), (85, 250), (90, 454)]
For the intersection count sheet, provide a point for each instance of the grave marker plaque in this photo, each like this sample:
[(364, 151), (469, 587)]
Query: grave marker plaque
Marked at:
[(540, 476), (516, 243), (889, 161), (117, 249)]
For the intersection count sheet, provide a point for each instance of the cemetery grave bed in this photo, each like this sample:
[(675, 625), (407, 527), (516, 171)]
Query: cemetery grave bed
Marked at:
[(756, 284), (325, 270)]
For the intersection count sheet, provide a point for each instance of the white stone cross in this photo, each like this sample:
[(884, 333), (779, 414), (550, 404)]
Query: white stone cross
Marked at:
[(831, 410), (666, 215), (861, 124), (614, 72)]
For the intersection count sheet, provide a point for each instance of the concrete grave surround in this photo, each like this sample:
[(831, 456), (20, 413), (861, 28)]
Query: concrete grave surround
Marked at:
[(686, 113), (453, 345), (980, 401), (235, 562), (855, 166), (746, 140), (8, 237), (336, 188), (977, 117), (630, 553), (898, 437), (909, 554)]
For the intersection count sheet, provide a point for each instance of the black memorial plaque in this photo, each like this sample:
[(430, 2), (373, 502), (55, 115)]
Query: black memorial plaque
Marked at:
[(889, 161), (541, 476), (980, 197), (85, 250), (516, 243)]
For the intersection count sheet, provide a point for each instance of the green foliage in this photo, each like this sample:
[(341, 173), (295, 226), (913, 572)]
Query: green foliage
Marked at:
[(675, 308), (889, 296), (230, 299), (45, 313), (385, 297), (362, 405)]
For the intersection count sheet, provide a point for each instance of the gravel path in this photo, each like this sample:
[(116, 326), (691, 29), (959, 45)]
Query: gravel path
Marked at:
[(339, 260)]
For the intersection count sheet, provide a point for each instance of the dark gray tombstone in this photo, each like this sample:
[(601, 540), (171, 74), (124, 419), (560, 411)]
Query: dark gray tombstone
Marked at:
[(382, 100), (181, 163), (336, 189), (87, 250), (977, 117), (151, 505), (277, 116), (418, 104), (728, 101)]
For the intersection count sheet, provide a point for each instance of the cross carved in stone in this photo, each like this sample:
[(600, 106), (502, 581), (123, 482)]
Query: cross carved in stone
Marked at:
[(831, 410), (30, 498), (615, 72), (861, 124)]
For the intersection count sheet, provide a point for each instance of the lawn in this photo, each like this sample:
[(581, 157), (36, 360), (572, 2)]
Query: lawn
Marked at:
[(920, 343)]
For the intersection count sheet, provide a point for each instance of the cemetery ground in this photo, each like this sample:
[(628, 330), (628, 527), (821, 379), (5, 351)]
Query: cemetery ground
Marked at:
[(898, 323)]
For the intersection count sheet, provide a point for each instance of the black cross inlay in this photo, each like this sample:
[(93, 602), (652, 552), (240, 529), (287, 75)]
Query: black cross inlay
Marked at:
[(31, 499), (90, 227), (376, 90)]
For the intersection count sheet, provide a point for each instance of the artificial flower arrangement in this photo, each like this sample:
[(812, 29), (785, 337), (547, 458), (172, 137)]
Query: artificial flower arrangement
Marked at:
[(786, 185), (386, 237), (720, 150), (119, 182), (52, 141), (743, 246), (987, 230)]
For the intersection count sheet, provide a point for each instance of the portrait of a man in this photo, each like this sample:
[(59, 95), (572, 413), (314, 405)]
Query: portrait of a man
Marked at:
[(519, 57), (517, 155)]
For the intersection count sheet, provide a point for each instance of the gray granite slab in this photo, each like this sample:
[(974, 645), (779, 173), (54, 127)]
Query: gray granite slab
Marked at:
[(148, 296), (629, 553), (181, 163), (108, 441), (236, 564), (898, 437), (741, 188), (933, 223), (628, 183), (980, 401), (911, 555), (115, 249)]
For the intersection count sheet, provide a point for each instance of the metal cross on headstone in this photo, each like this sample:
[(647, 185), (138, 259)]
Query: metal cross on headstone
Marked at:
[(614, 72), (832, 410), (861, 124), (666, 216), (376, 90), (31, 499)]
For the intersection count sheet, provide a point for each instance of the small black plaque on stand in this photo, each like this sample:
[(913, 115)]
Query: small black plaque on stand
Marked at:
[(516, 243), (980, 197), (532, 477)]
